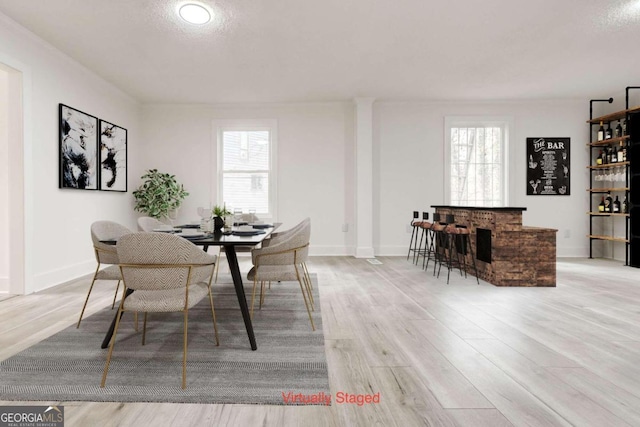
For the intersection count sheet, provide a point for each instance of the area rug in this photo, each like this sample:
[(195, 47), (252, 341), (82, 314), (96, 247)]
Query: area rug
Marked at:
[(68, 366)]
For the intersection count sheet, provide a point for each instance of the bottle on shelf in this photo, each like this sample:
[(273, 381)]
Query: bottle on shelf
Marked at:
[(608, 133), (614, 155), (625, 205), (624, 152), (599, 158), (608, 202), (601, 206), (624, 128), (621, 153), (601, 131), (616, 205), (618, 131), (605, 157)]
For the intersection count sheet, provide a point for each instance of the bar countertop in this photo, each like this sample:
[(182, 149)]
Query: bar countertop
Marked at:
[(480, 208)]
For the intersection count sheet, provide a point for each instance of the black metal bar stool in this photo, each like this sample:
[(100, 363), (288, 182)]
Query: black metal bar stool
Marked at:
[(413, 243), (439, 241), (425, 226), (460, 246)]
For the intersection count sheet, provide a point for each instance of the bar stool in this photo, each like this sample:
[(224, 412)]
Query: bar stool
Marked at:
[(439, 240), (460, 245), (425, 226), (413, 243)]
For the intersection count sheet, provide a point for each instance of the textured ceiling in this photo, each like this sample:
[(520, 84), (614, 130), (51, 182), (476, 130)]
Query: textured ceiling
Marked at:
[(303, 50)]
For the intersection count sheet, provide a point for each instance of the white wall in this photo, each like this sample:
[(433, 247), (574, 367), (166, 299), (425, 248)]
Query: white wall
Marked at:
[(57, 225), (4, 184), (314, 165), (409, 155)]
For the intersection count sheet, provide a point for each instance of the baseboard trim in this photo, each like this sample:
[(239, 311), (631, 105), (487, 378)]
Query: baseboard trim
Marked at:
[(56, 277)]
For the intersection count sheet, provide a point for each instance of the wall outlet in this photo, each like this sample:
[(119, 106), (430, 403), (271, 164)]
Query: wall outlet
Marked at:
[(345, 228)]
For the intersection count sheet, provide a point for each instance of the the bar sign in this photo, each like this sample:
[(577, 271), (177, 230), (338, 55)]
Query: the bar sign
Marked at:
[(31, 416)]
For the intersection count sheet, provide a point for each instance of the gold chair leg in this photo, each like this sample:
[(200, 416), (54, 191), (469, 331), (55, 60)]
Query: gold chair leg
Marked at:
[(307, 282), (184, 354), (217, 266), (253, 297), (306, 271), (135, 320), (304, 296), (88, 293), (144, 326), (213, 314), (113, 304), (113, 343), (261, 294)]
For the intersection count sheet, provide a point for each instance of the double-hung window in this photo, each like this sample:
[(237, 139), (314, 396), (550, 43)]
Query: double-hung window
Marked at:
[(476, 163), (246, 178)]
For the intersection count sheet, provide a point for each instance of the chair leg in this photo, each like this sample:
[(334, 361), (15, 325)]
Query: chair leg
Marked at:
[(184, 354), (217, 266), (261, 294), (213, 315), (306, 271), (89, 293), (413, 232), (304, 296), (144, 327), (253, 297), (307, 283), (113, 343), (113, 304)]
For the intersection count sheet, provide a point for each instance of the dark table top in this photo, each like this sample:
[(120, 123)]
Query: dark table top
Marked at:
[(224, 239)]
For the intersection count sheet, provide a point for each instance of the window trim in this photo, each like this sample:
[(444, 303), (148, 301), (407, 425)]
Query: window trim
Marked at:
[(505, 122), (271, 125)]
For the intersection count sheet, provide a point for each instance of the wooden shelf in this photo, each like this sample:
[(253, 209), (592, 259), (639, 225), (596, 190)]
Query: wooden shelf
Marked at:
[(609, 165), (613, 116), (613, 239), (606, 214), (607, 190), (610, 141)]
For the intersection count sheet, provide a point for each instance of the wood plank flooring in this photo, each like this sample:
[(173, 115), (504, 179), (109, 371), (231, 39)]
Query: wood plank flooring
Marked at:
[(460, 354)]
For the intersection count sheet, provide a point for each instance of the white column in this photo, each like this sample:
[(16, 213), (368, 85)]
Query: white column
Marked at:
[(364, 177)]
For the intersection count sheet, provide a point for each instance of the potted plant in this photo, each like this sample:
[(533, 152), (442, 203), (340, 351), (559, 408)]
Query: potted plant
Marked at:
[(219, 214), (159, 195)]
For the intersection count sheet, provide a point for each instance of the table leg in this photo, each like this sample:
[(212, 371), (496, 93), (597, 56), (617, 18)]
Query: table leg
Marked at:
[(107, 338), (232, 258)]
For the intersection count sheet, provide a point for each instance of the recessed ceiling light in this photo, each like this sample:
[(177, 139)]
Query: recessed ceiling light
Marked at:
[(195, 13)]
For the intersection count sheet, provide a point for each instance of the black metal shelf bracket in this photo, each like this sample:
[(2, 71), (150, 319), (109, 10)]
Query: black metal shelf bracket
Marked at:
[(610, 100)]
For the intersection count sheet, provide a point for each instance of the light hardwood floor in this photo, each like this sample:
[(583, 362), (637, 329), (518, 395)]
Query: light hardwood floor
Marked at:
[(439, 355)]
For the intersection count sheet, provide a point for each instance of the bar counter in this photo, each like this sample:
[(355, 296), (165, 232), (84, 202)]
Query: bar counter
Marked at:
[(506, 252)]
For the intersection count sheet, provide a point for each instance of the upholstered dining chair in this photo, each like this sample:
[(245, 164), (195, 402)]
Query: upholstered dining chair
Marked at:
[(282, 235), (166, 274), (283, 260), (147, 223), (105, 254)]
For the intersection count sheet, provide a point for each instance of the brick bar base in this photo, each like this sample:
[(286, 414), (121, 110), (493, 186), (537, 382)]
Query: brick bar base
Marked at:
[(520, 256)]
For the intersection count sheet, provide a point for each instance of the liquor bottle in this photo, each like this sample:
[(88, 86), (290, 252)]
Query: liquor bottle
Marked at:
[(616, 205), (624, 128), (605, 157), (601, 205), (618, 132), (614, 155), (624, 153), (625, 205), (608, 133), (599, 158), (621, 153), (608, 204), (601, 132)]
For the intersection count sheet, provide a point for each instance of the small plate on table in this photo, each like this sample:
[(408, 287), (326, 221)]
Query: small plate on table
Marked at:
[(165, 230), (191, 235), (247, 232)]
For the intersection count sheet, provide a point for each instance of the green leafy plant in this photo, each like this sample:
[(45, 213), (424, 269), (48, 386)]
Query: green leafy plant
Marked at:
[(159, 194), (220, 211)]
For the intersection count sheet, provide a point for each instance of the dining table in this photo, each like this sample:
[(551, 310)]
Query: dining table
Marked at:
[(229, 240)]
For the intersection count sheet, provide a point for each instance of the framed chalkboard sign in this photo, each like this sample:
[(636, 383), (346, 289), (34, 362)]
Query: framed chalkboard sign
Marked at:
[(548, 167)]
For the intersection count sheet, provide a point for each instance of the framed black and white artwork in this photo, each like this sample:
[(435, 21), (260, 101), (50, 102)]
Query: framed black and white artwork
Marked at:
[(548, 167), (78, 149), (113, 157)]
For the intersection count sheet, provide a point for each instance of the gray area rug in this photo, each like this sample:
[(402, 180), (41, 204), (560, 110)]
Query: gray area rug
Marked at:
[(290, 357)]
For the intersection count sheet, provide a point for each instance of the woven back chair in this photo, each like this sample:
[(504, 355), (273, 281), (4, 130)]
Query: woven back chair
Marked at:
[(105, 254), (147, 223), (166, 273), (284, 260)]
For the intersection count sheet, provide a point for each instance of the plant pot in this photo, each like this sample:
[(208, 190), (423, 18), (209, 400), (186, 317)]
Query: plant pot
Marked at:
[(218, 223)]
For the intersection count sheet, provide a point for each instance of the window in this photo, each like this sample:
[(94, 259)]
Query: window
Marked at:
[(476, 162), (245, 168)]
